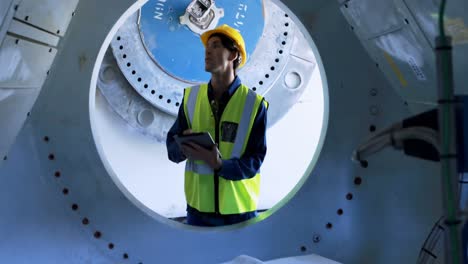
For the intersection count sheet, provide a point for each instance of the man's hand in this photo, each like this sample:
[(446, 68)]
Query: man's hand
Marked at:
[(187, 132), (209, 156)]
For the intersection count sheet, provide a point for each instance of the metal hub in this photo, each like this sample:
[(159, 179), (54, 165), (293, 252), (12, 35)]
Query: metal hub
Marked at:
[(170, 32)]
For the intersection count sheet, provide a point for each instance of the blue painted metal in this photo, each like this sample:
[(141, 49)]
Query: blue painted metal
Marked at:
[(177, 49)]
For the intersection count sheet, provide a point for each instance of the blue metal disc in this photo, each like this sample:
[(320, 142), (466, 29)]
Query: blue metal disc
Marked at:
[(178, 50)]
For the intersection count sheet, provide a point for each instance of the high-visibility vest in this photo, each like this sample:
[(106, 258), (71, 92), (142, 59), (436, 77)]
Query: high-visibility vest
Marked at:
[(237, 119)]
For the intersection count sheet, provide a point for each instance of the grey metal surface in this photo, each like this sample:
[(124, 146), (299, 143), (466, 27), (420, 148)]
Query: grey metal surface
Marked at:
[(386, 219), (24, 70), (24, 30), (25, 64), (7, 9), (402, 45), (50, 15), (152, 83), (36, 214), (5, 6), (14, 107), (128, 104), (456, 25)]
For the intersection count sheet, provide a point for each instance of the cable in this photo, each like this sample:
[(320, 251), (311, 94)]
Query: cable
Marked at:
[(395, 138)]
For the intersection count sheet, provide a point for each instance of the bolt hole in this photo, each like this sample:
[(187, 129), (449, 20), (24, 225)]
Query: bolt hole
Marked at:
[(340, 211), (349, 196), (364, 163), (272, 68), (260, 82), (177, 104), (377, 65), (16, 7), (65, 191), (139, 80), (286, 24), (121, 47), (57, 174), (16, 41), (129, 64), (146, 85), (284, 42), (97, 234), (285, 33), (153, 92), (276, 60), (406, 21), (110, 246), (74, 207), (372, 128), (26, 18), (48, 72), (51, 157), (160, 97), (303, 249), (125, 256), (118, 38), (28, 114), (329, 225), (286, 15), (168, 101), (50, 50), (85, 221), (5, 158), (346, 5), (133, 72), (280, 51), (358, 181), (58, 32), (267, 76), (46, 139), (124, 56), (73, 13), (254, 88)]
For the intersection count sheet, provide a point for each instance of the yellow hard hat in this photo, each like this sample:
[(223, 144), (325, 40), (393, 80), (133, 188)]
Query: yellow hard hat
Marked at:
[(232, 34)]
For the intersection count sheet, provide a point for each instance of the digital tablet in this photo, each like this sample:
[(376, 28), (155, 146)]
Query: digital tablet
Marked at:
[(203, 139)]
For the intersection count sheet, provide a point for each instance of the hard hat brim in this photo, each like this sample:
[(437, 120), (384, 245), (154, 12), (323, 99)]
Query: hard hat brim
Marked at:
[(206, 36)]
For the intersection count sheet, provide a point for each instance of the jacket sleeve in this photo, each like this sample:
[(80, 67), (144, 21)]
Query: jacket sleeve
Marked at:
[(248, 165), (173, 151)]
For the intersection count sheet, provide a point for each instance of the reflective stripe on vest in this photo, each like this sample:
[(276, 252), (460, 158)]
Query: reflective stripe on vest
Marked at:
[(192, 101), (244, 125), (200, 168)]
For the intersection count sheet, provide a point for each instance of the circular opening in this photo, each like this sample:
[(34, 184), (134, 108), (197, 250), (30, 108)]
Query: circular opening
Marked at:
[(358, 181), (292, 80), (146, 118), (132, 156), (108, 74)]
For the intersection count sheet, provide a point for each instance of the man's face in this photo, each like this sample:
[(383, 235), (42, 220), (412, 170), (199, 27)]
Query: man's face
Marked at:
[(217, 58)]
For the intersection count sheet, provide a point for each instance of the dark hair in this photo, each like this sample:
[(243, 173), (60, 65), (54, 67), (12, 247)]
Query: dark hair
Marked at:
[(229, 44)]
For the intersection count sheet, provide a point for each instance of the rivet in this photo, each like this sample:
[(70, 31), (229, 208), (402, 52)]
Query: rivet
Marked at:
[(97, 234)]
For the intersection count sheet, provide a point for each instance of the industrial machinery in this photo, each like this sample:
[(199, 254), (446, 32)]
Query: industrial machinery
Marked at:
[(89, 89)]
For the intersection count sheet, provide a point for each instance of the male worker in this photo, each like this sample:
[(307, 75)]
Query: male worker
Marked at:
[(221, 188)]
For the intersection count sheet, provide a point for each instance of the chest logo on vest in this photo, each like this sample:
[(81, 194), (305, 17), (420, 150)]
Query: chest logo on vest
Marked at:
[(228, 131)]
